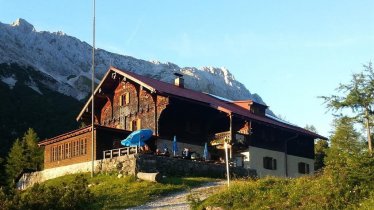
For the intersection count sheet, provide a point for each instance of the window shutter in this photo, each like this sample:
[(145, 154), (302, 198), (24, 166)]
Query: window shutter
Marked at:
[(121, 100), (127, 98), (138, 124), (307, 168), (264, 162), (300, 166)]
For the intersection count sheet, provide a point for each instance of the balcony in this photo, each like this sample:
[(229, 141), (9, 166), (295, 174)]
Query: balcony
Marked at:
[(220, 138)]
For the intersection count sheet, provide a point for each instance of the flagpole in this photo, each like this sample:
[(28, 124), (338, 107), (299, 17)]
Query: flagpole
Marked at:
[(93, 90)]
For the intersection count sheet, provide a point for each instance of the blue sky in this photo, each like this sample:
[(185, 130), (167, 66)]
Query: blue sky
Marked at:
[(289, 52)]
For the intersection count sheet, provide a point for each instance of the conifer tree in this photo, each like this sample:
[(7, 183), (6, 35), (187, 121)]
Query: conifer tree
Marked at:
[(33, 154), (16, 161), (358, 96), (320, 148), (348, 166)]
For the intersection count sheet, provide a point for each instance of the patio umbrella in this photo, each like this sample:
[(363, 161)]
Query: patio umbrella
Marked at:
[(175, 145), (206, 151), (137, 138)]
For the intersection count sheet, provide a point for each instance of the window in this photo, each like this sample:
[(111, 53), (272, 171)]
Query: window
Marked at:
[(80, 142), (303, 168), (76, 148), (54, 153), (59, 155), (124, 99), (82, 146), (69, 150), (85, 146), (135, 125), (270, 163)]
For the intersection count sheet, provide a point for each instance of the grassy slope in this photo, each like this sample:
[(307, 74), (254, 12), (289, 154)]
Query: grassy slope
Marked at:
[(309, 192), (112, 192)]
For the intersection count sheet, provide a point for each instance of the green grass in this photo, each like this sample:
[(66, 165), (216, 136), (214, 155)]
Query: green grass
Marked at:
[(309, 192), (111, 192)]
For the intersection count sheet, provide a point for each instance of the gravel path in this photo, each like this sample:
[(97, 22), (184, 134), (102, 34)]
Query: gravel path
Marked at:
[(178, 201)]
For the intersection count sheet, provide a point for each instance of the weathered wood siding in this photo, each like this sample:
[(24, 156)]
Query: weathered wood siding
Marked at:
[(68, 151), (132, 107)]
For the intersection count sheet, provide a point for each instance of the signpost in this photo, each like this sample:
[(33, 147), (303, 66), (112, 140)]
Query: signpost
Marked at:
[(227, 165)]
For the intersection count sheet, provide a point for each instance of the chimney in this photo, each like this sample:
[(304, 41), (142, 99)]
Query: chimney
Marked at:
[(179, 81)]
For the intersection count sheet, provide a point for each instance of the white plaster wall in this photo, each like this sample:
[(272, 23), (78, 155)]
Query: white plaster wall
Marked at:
[(253, 158), (69, 169), (293, 169), (51, 173), (29, 179)]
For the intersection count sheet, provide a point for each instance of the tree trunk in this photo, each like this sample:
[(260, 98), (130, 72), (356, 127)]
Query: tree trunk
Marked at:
[(367, 117)]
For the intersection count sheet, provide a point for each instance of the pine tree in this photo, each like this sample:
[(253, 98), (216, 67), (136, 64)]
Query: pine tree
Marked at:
[(34, 154), (348, 166), (345, 144), (320, 148), (358, 96), (16, 161)]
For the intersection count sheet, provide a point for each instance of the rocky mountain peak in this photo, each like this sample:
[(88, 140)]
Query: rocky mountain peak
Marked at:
[(23, 25), (66, 62)]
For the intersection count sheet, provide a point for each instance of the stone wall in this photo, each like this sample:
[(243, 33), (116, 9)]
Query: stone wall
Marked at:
[(161, 143), (179, 167), (131, 164), (125, 165)]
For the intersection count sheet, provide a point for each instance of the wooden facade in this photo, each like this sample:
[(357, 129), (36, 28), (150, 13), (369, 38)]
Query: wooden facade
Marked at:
[(75, 146), (125, 102)]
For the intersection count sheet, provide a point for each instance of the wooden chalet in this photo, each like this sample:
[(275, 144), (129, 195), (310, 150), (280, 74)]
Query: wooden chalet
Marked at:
[(126, 101)]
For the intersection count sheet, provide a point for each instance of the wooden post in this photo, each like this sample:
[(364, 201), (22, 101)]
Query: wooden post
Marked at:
[(231, 136), (227, 165)]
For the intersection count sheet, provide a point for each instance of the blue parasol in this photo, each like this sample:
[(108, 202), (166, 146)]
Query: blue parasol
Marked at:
[(137, 138), (206, 151), (175, 145)]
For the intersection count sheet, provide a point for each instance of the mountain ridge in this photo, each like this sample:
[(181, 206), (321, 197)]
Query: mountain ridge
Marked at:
[(67, 60)]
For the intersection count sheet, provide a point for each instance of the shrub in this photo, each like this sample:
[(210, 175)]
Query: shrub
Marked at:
[(66, 196)]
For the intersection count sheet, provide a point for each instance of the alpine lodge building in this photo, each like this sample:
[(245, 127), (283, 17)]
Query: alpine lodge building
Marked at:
[(125, 101)]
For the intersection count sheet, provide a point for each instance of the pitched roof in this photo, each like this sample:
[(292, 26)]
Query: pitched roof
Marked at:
[(78, 132), (222, 105)]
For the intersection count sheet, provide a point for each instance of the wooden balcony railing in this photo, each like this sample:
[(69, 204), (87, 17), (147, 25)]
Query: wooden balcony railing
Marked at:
[(220, 138), (119, 152)]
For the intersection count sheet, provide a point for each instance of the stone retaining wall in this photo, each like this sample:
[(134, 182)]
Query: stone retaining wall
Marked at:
[(179, 167), (131, 164)]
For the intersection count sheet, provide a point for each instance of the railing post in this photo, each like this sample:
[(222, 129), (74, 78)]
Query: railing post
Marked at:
[(128, 150), (103, 154), (111, 154)]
